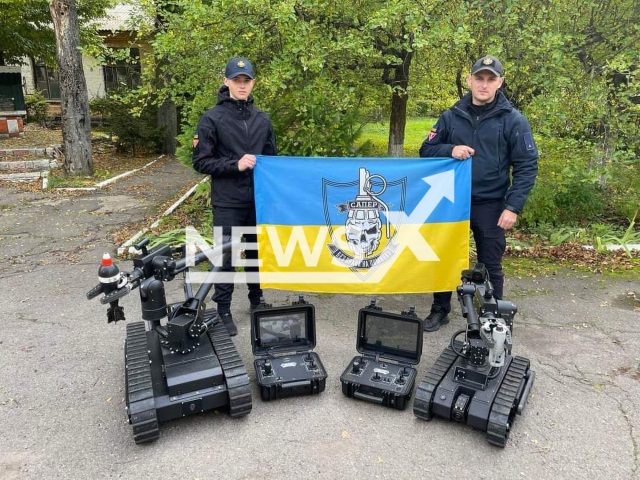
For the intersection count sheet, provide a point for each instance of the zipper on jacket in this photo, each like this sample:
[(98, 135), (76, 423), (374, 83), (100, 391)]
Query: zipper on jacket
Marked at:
[(499, 149), (475, 131), (246, 131)]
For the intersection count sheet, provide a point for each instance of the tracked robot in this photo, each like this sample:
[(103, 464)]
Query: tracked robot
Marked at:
[(477, 381), (182, 366)]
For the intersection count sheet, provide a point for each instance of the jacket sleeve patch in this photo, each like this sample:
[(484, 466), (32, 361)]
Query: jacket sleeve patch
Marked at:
[(196, 140), (529, 144), (433, 133)]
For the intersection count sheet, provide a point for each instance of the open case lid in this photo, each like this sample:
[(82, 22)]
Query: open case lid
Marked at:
[(283, 329), (390, 335)]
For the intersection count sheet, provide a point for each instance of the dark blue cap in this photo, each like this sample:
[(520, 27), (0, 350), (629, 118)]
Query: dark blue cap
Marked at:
[(239, 66), (489, 63)]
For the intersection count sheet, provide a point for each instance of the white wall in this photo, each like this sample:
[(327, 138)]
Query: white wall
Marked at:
[(92, 74), (27, 75), (94, 77)]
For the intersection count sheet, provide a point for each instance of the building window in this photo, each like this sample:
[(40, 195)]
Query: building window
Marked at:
[(122, 74), (47, 81)]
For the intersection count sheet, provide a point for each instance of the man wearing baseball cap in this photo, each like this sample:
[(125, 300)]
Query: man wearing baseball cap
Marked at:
[(484, 125), (225, 145)]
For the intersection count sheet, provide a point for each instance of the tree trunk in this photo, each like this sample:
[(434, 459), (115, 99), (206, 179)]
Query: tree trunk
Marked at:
[(167, 116), (459, 85), (74, 101), (604, 154), (399, 99), (168, 123)]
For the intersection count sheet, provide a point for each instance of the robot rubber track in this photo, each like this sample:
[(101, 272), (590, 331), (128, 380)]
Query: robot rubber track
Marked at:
[(505, 404), (141, 407), (235, 373), (427, 388)]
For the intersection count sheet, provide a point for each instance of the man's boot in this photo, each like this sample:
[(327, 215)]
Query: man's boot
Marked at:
[(436, 318), (227, 321)]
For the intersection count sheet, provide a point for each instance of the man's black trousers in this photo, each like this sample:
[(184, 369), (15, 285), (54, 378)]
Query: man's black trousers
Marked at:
[(227, 218), (490, 245)]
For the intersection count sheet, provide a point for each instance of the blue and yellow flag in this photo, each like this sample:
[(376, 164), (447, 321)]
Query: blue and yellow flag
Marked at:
[(362, 225)]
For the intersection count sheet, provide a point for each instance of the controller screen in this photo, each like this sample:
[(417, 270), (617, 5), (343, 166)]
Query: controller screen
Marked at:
[(392, 336), (282, 328)]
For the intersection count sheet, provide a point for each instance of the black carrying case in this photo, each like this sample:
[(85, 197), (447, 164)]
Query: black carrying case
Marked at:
[(390, 344), (283, 338)]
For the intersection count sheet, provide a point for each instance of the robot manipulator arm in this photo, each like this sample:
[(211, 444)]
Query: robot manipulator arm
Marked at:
[(497, 336), (114, 285)]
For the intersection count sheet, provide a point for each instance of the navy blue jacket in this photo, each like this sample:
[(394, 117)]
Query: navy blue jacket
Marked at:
[(225, 133), (503, 144)]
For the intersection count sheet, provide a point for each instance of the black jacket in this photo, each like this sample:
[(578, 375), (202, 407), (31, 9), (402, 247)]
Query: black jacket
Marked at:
[(502, 140), (225, 133)]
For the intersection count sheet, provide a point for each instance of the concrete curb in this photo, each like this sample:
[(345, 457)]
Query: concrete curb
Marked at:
[(109, 181), (49, 151), (23, 176), (28, 165), (613, 248), (128, 245)]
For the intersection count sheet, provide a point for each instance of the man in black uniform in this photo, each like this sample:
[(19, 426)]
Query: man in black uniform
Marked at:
[(485, 125), (228, 138)]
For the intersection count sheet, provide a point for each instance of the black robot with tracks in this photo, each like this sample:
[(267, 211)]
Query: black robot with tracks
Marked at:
[(185, 365), (477, 381)]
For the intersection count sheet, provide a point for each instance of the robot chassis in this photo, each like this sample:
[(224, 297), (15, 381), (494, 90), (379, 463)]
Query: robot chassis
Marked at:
[(477, 381), (186, 366)]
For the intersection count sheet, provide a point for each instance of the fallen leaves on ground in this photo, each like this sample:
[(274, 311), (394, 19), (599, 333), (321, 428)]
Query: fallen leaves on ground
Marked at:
[(33, 186), (23, 158), (35, 136), (125, 232), (578, 256)]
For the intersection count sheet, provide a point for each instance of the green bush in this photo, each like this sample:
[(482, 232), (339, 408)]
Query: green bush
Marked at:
[(36, 107), (568, 192), (133, 127), (99, 106), (541, 207)]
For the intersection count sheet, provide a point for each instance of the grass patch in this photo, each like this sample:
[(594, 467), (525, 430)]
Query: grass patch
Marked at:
[(529, 267), (377, 134), (107, 163)]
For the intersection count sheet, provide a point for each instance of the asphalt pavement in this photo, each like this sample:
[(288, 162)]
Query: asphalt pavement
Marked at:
[(62, 411)]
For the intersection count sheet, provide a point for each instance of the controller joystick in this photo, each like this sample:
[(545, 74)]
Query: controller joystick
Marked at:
[(357, 366), (268, 369), (312, 364), (401, 380), (376, 377)]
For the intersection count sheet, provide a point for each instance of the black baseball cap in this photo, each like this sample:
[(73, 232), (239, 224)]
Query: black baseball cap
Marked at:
[(488, 62), (239, 66)]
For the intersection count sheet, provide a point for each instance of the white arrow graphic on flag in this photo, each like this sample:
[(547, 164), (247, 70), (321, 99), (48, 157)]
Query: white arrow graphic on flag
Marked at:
[(442, 186)]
